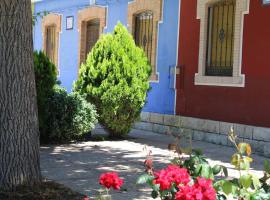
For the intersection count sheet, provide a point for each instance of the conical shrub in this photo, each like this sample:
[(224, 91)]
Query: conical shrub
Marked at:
[(115, 77)]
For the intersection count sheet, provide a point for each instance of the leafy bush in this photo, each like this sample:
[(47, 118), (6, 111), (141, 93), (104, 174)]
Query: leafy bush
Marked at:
[(62, 116), (68, 116), (115, 78), (46, 79)]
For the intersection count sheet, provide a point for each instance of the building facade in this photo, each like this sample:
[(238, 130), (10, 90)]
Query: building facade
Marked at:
[(223, 73), (210, 60), (71, 28)]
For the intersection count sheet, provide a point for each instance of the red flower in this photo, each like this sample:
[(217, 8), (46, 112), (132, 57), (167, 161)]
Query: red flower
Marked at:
[(171, 175), (188, 193), (85, 198), (201, 190), (206, 186), (111, 179)]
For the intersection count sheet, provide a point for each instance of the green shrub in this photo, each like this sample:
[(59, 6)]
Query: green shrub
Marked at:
[(68, 116), (115, 78), (46, 79), (62, 116)]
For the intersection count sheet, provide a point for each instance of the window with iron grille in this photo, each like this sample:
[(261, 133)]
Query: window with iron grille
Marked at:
[(143, 33), (220, 38), (51, 43)]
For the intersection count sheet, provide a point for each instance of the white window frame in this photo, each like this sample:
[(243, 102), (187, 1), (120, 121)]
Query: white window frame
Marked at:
[(237, 79)]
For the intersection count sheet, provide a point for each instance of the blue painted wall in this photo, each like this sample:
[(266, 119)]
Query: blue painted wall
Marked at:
[(161, 99)]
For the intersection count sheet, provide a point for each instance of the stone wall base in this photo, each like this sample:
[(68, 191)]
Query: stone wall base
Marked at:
[(207, 130)]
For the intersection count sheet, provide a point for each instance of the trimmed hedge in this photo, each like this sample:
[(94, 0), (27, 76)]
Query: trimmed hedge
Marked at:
[(68, 117), (62, 116)]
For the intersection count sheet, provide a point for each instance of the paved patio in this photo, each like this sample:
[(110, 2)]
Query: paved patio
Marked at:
[(79, 165)]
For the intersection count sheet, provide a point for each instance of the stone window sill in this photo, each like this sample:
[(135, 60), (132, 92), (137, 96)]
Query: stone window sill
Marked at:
[(235, 81)]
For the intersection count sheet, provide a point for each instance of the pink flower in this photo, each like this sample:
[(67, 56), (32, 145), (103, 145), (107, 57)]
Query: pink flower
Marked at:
[(111, 179), (85, 198)]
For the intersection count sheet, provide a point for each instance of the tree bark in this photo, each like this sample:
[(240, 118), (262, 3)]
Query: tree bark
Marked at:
[(19, 134)]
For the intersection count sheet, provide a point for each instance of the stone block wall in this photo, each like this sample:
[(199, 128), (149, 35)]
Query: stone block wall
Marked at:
[(207, 130)]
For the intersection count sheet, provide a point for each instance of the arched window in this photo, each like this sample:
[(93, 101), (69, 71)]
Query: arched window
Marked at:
[(92, 34), (143, 33), (50, 47), (220, 38), (51, 28), (144, 17), (91, 23)]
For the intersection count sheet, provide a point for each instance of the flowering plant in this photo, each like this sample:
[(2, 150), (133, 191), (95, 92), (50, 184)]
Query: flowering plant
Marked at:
[(110, 180), (175, 183), (201, 190), (171, 176)]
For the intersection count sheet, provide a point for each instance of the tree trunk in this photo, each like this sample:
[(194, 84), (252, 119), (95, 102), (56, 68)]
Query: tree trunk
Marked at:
[(19, 135)]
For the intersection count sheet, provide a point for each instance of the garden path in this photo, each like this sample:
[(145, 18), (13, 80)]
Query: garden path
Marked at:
[(79, 165)]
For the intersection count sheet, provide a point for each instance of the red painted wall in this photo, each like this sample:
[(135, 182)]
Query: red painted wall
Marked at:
[(248, 105)]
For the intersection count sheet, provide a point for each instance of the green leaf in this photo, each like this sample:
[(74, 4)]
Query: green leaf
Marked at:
[(256, 182), (217, 169), (154, 194), (218, 184), (229, 188), (155, 187), (225, 171), (206, 171), (198, 170), (245, 163), (245, 180), (173, 189), (144, 179)]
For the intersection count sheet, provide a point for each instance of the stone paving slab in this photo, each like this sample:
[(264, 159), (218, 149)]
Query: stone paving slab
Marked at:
[(79, 165)]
